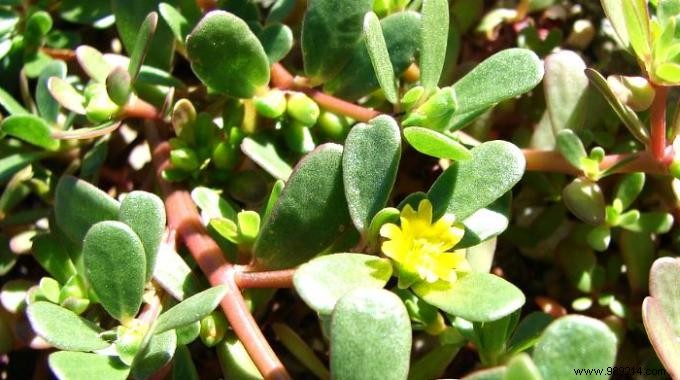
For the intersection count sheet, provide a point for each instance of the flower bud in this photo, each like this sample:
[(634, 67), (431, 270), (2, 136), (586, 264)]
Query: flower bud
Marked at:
[(224, 156), (100, 107), (411, 97), (436, 112), (130, 339), (184, 158), (584, 199), (188, 333), (272, 104), (333, 126), (303, 109), (298, 138), (183, 118), (635, 92), (213, 328)]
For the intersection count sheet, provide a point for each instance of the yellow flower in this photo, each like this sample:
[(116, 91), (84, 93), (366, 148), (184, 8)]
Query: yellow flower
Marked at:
[(421, 250)]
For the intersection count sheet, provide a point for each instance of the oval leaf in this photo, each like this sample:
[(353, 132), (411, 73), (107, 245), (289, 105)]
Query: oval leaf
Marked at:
[(31, 129), (330, 30), (239, 73), (565, 87), (47, 105), (370, 336), (81, 365), (663, 286), (574, 341), (191, 309), (277, 40), (435, 144), (434, 39), (78, 205), (324, 280), (66, 95), (63, 329), (369, 167), (115, 265), (380, 57), (476, 297), (157, 354), (502, 76), (145, 214), (661, 335), (468, 186), (310, 214)]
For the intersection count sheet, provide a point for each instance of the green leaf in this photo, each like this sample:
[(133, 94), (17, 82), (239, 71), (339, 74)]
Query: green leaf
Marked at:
[(636, 17), (47, 105), (584, 199), (614, 11), (31, 129), (574, 341), (571, 147), (433, 42), (66, 95), (310, 214), (212, 204), (664, 276), (115, 266), (300, 349), (435, 144), (183, 367), (370, 336), (176, 21), (651, 223), (14, 162), (85, 12), (11, 105), (264, 153), (234, 359), (502, 76), (566, 90), (528, 331), (475, 296), (369, 167), (174, 275), (496, 373), (79, 205), (321, 282), (239, 73), (629, 188), (130, 18), (521, 367), (191, 309), (50, 252), (662, 335), (119, 86), (63, 329), (82, 366), (470, 185), (433, 364), (156, 355), (380, 57), (487, 223), (93, 63), (402, 36), (330, 30), (142, 43), (145, 214), (277, 40)]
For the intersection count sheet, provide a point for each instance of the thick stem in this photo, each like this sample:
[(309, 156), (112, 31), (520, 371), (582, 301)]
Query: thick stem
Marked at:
[(658, 124), (183, 217), (268, 280)]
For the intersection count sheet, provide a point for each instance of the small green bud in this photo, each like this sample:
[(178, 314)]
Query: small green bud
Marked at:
[(76, 305), (213, 328), (272, 104), (184, 158), (597, 154), (100, 107), (674, 168), (207, 132), (299, 138), (183, 117), (584, 199), (225, 156), (599, 238), (130, 339), (436, 112), (50, 289), (411, 97), (635, 92), (333, 126), (303, 109)]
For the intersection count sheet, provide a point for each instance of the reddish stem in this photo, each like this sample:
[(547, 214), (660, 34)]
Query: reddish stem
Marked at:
[(281, 78), (183, 217), (138, 108), (552, 161), (658, 123), (272, 279)]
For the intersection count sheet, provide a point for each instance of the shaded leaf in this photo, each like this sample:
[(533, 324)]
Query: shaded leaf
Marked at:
[(156, 355), (31, 129), (82, 366), (264, 153), (145, 214), (66, 95), (277, 40), (380, 57), (47, 105), (566, 90), (191, 309)]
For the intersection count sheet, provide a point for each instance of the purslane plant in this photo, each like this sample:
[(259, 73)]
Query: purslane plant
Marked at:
[(303, 181)]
